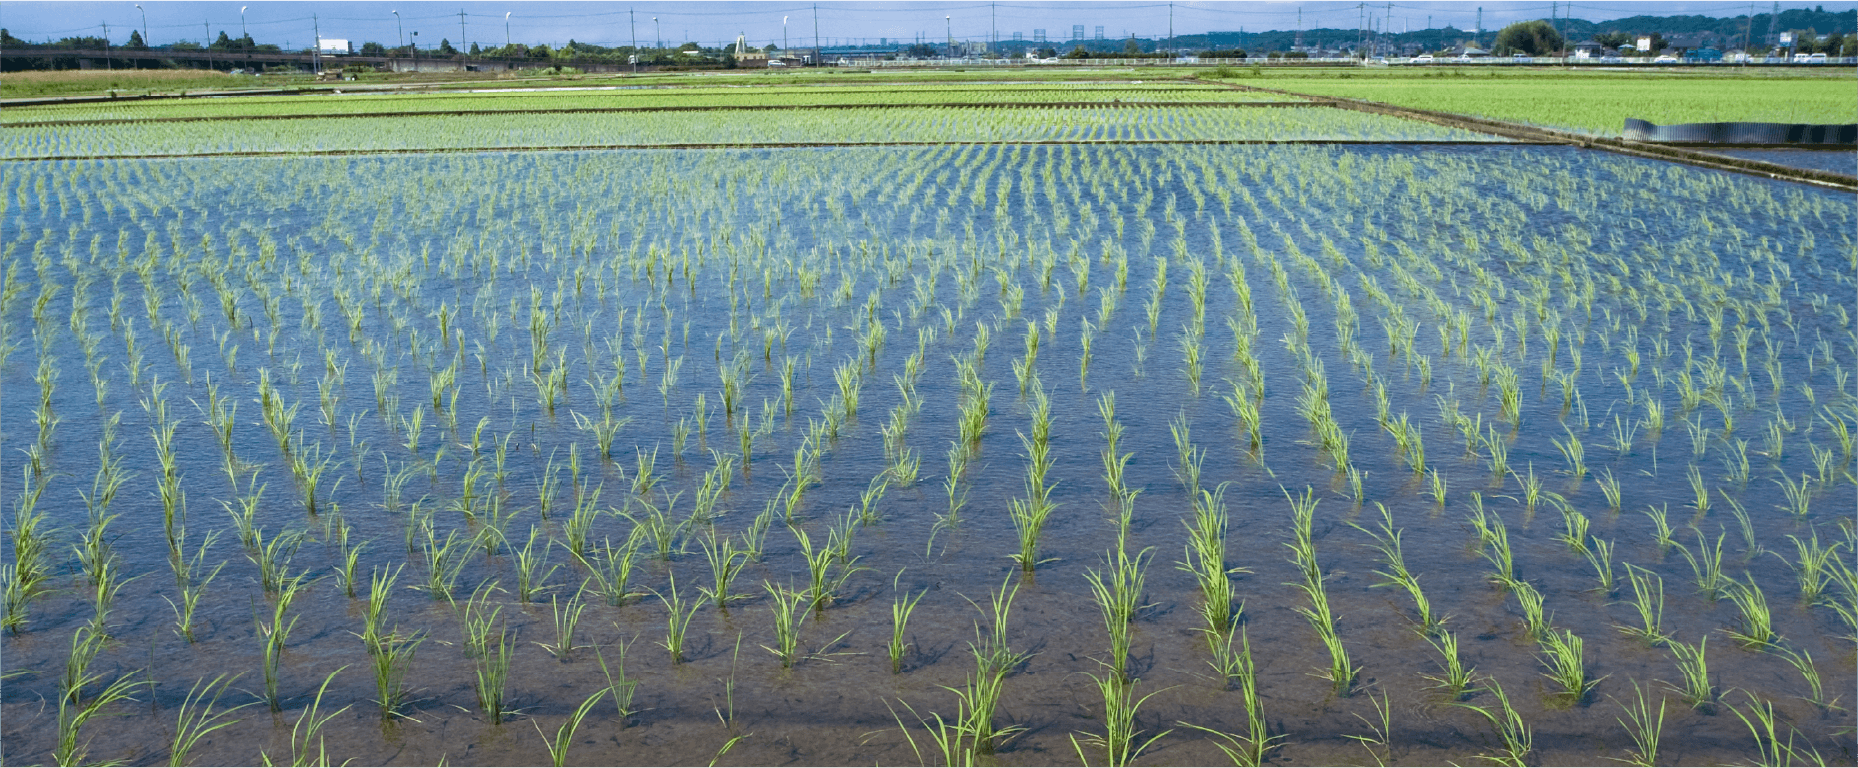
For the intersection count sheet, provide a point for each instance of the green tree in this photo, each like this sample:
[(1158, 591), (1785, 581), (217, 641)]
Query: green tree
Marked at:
[(1531, 37), (445, 47), (373, 49), (1132, 47), (1612, 39)]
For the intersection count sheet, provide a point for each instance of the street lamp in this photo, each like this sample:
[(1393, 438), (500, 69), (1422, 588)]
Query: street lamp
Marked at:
[(506, 33), (399, 30), (948, 26), (138, 6), (783, 37), (242, 31), (659, 31)]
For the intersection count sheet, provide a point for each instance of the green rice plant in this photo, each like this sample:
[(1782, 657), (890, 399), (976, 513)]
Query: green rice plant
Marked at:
[(1814, 566), (1757, 625), (1644, 727), (1799, 495), (1455, 677), (1121, 741), (621, 687), (1648, 601), (1535, 619), (677, 622), (1575, 524), (273, 636), (491, 683), (197, 719), (444, 562), (73, 710), (1531, 487), (1661, 527), (1802, 662), (610, 569), (1763, 725), (1562, 653), (900, 610), (1609, 487), (726, 562), (1751, 546), (379, 589), (1575, 455), (1205, 557), (1393, 559), (1707, 566), (1382, 731), (1512, 731), (566, 620), (790, 609), (564, 735), (1693, 670), (391, 655), (1501, 558), (1702, 494), (1600, 556), (1029, 517), (307, 746), (1117, 590), (824, 581), (531, 580)]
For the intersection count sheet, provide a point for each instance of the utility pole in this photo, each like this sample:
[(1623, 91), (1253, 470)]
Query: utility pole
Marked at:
[(993, 25), (209, 43), (145, 43), (1361, 27), (1774, 25), (107, 63), (1170, 26), (1298, 46), (1477, 33), (463, 45), (816, 54), (316, 54), (401, 31), (1387, 27), (630, 19)]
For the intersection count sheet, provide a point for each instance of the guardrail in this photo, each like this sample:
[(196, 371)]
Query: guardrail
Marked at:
[(1481, 61)]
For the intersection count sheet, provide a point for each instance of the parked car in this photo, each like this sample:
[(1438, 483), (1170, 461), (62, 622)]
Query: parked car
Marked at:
[(1611, 60), (1665, 59), (776, 63), (1521, 58), (1817, 58), (1424, 58)]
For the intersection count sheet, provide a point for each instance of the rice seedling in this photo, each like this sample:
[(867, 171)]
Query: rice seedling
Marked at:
[(618, 685), (790, 609), (564, 735), (900, 610), (1121, 740), (1693, 685), (1513, 732), (197, 718), (74, 711), (391, 655), (677, 622), (1609, 487), (1455, 677), (1648, 602), (275, 635), (1661, 527), (1562, 653), (1393, 559), (1535, 619), (1707, 567), (1117, 590), (1763, 724), (1381, 732), (1757, 625), (307, 745), (1645, 727), (566, 621)]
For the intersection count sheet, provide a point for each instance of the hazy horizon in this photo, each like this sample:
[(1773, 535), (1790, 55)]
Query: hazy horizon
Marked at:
[(295, 23)]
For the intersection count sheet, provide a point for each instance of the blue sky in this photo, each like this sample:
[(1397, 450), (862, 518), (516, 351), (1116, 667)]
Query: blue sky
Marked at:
[(607, 23)]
